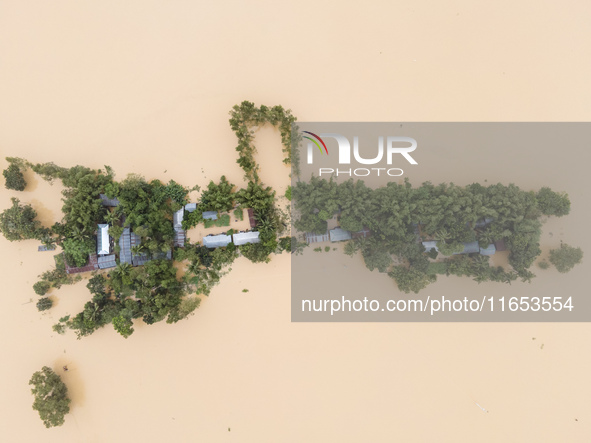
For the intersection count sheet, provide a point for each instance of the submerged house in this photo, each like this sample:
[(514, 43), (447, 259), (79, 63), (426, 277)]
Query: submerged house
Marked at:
[(483, 222), (106, 261), (469, 248), (109, 202), (103, 243), (217, 241), (243, 238), (125, 246), (177, 223), (312, 237), (209, 215), (489, 250), (338, 234)]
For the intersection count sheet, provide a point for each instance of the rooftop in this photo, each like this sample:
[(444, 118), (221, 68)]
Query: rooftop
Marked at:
[(243, 238), (210, 215), (338, 234), (217, 241), (106, 201), (106, 261), (103, 246)]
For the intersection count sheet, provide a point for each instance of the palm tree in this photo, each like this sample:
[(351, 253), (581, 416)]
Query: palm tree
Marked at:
[(111, 217), (123, 271), (138, 249), (442, 235)]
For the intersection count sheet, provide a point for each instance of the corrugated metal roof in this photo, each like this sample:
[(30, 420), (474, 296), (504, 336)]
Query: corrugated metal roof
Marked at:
[(103, 246), (210, 215), (338, 234), (483, 222), (106, 201), (243, 238), (190, 207), (489, 250), (217, 241), (177, 219), (125, 246), (469, 248), (430, 245), (106, 261)]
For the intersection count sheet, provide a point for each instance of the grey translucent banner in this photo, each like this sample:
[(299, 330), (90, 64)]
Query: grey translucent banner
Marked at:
[(480, 243)]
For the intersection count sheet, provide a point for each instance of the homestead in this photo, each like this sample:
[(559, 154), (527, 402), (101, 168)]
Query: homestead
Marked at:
[(469, 248)]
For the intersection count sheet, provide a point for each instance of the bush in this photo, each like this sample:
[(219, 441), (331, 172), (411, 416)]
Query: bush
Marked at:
[(327, 248), (553, 203), (44, 304), (14, 178), (565, 258), (543, 264), (239, 214), (41, 287)]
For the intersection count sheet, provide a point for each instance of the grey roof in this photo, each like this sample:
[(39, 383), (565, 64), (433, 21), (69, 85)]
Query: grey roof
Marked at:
[(162, 255), (483, 222), (217, 241), (190, 207), (103, 246), (177, 219), (179, 237), (338, 234), (125, 246), (430, 245), (489, 250), (106, 201), (138, 259), (210, 215), (106, 261), (469, 248), (243, 238)]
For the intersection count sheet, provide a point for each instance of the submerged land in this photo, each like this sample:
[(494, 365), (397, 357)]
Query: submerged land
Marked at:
[(148, 89)]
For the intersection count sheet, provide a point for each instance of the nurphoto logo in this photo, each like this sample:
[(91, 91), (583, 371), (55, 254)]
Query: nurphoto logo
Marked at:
[(395, 145)]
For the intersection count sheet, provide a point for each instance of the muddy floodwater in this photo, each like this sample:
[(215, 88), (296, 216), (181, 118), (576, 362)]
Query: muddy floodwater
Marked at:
[(146, 88)]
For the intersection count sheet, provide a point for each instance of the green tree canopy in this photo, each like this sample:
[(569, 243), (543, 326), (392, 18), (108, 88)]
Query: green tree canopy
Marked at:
[(566, 257), (51, 397), (553, 203), (18, 222), (14, 178), (44, 304)]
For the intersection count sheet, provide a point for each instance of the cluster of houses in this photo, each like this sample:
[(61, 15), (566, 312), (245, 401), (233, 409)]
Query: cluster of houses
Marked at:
[(338, 234), (128, 242)]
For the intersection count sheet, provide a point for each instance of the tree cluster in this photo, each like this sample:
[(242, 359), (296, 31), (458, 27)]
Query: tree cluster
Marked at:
[(51, 397), (449, 214)]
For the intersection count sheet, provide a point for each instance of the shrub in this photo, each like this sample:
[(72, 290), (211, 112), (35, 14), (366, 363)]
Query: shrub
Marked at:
[(41, 287), (566, 257), (14, 178), (543, 264), (44, 304)]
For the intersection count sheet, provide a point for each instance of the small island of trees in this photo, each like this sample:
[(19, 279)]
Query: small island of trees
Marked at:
[(51, 397), (141, 283)]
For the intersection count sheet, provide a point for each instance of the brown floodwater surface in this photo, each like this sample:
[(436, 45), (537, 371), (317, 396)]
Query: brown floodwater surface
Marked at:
[(146, 87)]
